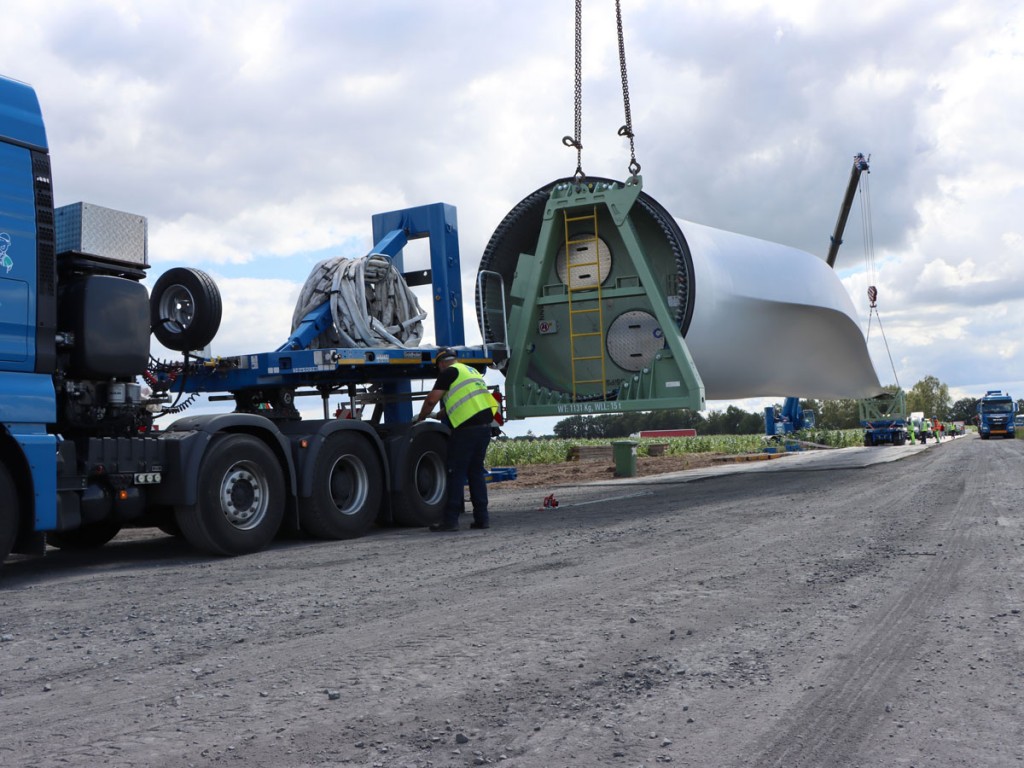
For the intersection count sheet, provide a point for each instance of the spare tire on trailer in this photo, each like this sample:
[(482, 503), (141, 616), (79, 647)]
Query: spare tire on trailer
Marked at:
[(185, 309)]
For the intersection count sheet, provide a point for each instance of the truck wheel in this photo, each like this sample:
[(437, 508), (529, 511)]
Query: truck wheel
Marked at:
[(92, 536), (185, 309), (241, 498), (422, 481), (348, 482), (9, 513)]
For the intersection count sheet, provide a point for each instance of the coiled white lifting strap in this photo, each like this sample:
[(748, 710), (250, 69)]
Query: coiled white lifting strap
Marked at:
[(371, 304)]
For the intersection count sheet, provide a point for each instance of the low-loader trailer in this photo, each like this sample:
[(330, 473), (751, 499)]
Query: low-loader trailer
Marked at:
[(80, 453)]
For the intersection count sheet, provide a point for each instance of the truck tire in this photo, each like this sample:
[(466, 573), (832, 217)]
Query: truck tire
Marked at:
[(185, 309), (91, 536), (241, 498), (9, 513), (422, 481), (348, 482)]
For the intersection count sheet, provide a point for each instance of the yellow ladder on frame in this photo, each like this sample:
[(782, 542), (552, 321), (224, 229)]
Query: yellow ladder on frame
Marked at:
[(584, 308)]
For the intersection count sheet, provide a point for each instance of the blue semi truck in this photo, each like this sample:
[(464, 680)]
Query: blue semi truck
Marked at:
[(996, 415), (80, 452)]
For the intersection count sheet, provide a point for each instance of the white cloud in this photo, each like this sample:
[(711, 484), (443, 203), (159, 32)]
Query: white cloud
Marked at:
[(257, 313), (255, 133)]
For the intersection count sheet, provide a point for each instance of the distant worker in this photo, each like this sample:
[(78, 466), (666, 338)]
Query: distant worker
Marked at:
[(939, 429), (910, 431), (469, 408)]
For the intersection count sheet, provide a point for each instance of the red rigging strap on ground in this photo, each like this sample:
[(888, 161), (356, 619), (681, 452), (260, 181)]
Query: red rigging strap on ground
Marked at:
[(758, 319)]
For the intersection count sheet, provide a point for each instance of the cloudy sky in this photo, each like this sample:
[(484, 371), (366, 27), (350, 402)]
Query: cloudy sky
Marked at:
[(259, 137)]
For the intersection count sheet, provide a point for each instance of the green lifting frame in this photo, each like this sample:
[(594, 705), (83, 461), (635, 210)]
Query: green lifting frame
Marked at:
[(543, 326), (890, 406)]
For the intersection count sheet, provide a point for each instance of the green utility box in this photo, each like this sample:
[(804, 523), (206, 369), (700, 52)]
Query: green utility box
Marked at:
[(624, 453)]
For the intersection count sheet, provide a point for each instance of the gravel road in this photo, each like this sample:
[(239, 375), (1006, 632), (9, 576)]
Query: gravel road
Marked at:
[(846, 617)]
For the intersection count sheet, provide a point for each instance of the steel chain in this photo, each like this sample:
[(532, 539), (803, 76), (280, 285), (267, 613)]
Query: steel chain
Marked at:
[(627, 129), (577, 139)]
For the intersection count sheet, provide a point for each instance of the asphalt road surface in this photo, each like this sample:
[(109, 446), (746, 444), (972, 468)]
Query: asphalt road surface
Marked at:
[(840, 613)]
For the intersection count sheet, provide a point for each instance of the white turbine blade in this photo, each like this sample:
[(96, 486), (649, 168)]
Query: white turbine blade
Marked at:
[(772, 321)]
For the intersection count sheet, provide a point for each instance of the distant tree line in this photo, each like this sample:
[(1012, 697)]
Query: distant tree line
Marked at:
[(929, 395), (731, 421)]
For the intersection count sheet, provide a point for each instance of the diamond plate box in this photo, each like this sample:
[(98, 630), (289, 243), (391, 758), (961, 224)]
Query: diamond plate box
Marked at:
[(104, 232)]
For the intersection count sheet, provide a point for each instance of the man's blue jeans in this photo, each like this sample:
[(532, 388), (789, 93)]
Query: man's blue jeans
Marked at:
[(467, 448)]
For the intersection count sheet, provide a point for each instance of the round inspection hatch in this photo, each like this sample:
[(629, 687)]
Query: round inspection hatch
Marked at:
[(584, 268), (633, 339)]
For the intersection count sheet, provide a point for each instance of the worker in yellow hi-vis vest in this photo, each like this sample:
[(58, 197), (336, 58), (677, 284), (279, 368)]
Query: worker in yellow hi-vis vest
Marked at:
[(469, 409)]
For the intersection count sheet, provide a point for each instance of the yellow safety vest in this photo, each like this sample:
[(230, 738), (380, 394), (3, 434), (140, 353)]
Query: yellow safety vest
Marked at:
[(467, 396)]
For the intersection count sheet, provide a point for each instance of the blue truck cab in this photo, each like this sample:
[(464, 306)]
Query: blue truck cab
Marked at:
[(996, 415), (27, 314), (28, 310)]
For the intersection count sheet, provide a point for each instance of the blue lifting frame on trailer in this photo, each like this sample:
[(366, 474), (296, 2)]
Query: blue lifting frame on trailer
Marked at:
[(294, 364)]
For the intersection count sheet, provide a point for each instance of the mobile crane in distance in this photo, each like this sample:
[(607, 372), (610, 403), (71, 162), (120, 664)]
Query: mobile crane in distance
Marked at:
[(790, 417), (80, 457)]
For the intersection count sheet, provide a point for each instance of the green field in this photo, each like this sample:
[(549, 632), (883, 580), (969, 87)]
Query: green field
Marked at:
[(514, 453)]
